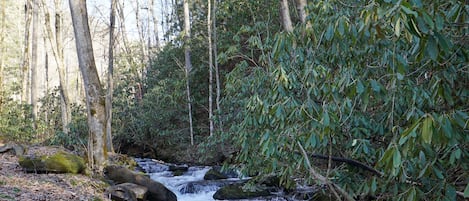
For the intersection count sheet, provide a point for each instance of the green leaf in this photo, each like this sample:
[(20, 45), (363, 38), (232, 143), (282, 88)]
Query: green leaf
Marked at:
[(427, 130), (412, 195), (341, 26), (428, 19), (397, 27), (325, 119), (409, 11), (466, 191), (329, 32), (432, 48), (396, 159), (438, 173), (360, 87), (375, 86)]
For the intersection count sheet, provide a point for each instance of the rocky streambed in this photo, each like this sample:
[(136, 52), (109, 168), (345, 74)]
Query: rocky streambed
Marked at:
[(205, 183)]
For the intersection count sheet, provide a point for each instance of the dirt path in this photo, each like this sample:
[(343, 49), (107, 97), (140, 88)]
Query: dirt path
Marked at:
[(16, 185)]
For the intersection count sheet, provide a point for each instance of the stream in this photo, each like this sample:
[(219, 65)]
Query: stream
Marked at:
[(190, 186)]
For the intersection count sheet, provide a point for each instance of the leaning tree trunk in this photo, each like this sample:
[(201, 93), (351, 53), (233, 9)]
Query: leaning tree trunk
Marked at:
[(94, 92), (285, 13), (187, 56), (57, 47)]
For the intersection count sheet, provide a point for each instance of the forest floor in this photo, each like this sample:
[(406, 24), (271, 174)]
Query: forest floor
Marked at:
[(17, 185)]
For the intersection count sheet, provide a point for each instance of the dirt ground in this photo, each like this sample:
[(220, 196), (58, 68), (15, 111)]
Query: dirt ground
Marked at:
[(16, 185)]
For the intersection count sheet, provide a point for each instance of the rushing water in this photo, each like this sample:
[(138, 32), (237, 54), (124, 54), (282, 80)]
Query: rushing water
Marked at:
[(191, 185)]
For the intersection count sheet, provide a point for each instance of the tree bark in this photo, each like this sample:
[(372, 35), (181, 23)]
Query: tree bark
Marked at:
[(210, 68), (2, 48), (302, 12), (285, 14), (155, 25), (34, 59), (217, 73), (57, 50), (187, 56), (94, 92), (26, 52), (110, 74)]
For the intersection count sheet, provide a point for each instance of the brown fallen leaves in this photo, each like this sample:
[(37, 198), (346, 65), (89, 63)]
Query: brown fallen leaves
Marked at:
[(16, 185)]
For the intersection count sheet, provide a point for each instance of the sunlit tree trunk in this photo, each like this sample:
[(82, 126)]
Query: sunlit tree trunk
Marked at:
[(34, 60), (285, 14), (110, 73), (187, 56), (210, 68), (26, 52), (95, 101), (57, 50)]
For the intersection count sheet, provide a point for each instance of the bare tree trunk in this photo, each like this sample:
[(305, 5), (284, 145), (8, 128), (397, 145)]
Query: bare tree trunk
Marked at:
[(2, 48), (34, 59), (210, 68), (94, 92), (25, 63), (110, 73), (302, 13), (285, 13), (155, 24), (217, 73), (57, 50), (187, 56)]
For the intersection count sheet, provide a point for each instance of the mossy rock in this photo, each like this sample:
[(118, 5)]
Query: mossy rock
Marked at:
[(235, 192), (213, 174), (60, 162)]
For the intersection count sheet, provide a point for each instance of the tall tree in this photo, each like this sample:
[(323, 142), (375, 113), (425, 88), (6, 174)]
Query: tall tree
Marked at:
[(110, 73), (187, 57), (95, 102), (57, 50), (155, 24), (285, 14), (26, 51), (215, 55), (210, 67), (34, 60), (2, 47)]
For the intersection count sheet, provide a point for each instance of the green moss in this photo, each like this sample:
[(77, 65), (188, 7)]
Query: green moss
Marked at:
[(65, 162), (60, 162)]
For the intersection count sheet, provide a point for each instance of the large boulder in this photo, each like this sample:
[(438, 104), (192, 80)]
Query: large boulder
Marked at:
[(156, 190), (236, 192), (127, 192), (60, 162)]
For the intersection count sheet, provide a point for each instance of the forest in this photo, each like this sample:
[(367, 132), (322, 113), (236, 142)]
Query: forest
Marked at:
[(368, 98)]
